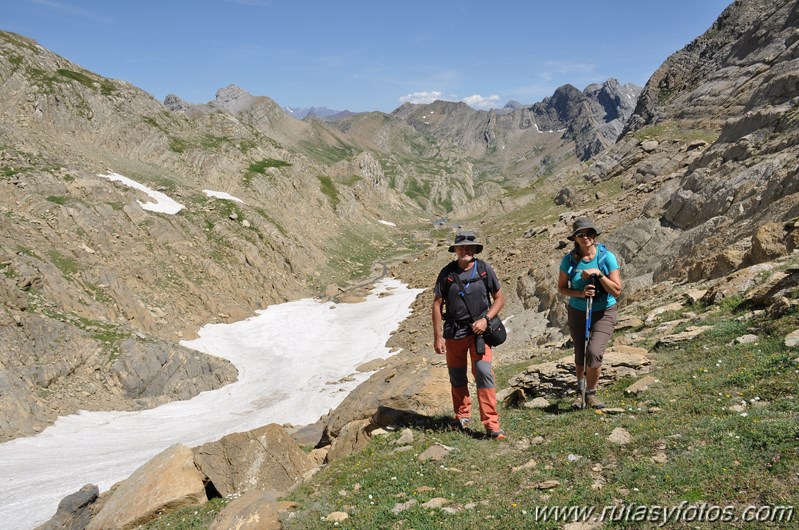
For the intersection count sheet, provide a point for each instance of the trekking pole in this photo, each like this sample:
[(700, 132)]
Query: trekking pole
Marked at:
[(589, 308), (588, 311)]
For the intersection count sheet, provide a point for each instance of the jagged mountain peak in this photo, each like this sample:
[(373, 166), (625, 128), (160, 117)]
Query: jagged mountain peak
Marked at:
[(175, 103), (591, 119), (319, 112), (741, 38), (234, 99)]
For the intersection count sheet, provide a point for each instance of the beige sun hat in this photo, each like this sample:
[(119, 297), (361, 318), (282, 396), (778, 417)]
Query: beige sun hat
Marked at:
[(465, 239), (583, 223)]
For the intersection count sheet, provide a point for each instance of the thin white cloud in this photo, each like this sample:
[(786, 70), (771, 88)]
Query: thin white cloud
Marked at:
[(449, 76), (568, 67), (481, 102), (531, 93), (421, 97), (70, 10), (475, 101)]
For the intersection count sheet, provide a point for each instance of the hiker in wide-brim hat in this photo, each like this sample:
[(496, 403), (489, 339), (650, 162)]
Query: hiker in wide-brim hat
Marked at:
[(471, 293), (589, 272)]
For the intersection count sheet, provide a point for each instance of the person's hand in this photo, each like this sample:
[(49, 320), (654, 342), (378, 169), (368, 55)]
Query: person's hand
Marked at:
[(587, 273), (440, 345), (479, 326), (589, 290)]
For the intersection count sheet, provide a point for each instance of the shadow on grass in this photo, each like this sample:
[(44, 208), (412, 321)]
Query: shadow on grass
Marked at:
[(388, 417)]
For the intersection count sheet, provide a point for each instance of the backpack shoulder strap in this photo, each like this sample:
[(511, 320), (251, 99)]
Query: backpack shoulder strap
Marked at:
[(483, 273), (601, 258), (449, 279), (572, 265), (601, 261), (462, 294)]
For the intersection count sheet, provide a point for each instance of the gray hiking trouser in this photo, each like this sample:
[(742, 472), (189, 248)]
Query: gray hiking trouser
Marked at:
[(602, 325)]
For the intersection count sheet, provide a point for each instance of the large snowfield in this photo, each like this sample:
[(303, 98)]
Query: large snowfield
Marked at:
[(291, 360)]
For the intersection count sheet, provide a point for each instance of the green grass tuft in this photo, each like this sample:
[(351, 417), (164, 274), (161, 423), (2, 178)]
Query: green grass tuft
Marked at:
[(65, 264), (189, 518), (177, 145), (329, 189), (259, 168), (83, 79)]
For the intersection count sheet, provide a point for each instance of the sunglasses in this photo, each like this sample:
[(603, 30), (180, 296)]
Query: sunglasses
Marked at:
[(461, 238), (592, 235)]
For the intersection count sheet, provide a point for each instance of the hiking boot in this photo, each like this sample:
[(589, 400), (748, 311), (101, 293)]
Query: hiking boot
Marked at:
[(460, 424), (497, 435), (592, 402)]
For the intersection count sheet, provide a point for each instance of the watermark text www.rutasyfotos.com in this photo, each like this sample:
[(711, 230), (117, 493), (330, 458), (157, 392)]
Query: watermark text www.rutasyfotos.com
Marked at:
[(653, 513)]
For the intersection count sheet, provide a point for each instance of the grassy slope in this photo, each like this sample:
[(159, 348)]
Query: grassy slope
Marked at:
[(712, 455), (689, 448), (688, 445)]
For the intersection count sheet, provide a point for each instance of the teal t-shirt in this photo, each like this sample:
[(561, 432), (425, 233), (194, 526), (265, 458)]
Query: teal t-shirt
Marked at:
[(601, 301)]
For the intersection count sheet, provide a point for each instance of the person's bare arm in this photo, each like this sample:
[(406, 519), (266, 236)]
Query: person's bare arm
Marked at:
[(611, 282), (438, 334), (497, 304)]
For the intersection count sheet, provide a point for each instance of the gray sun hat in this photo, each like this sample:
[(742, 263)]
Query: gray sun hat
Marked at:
[(582, 223), (465, 239)]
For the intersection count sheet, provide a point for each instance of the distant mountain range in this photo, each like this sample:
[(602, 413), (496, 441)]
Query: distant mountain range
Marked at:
[(609, 101), (319, 112)]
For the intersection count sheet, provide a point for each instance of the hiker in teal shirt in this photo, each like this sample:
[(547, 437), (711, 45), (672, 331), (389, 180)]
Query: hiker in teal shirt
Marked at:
[(589, 271)]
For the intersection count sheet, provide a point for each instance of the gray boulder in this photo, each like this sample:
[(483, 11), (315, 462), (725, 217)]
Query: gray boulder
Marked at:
[(414, 387), (166, 483), (266, 459), (74, 511), (255, 510), (556, 378)]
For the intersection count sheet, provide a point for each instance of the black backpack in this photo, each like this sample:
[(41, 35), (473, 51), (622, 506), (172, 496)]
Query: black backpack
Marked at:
[(482, 273), (496, 333)]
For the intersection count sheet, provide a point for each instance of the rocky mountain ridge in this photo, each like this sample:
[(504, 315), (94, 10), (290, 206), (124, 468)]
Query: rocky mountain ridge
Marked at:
[(82, 259), (317, 112), (517, 141), (499, 147)]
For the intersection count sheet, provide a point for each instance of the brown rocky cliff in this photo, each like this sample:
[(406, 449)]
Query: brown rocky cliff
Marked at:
[(85, 264)]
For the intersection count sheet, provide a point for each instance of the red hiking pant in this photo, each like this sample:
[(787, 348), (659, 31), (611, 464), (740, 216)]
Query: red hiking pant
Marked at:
[(457, 350)]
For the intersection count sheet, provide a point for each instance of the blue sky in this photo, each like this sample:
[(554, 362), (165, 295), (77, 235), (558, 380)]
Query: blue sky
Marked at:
[(364, 55)]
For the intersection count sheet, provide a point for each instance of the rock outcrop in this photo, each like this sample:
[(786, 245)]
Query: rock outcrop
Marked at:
[(411, 388), (167, 482), (265, 459), (75, 511)]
